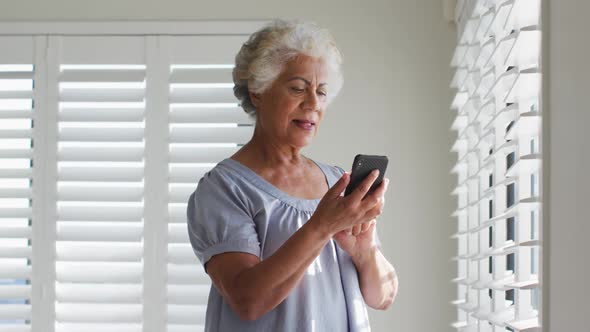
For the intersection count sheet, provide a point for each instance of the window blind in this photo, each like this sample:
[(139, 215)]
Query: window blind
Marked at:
[(102, 140), (206, 125), (498, 122), (100, 150), (16, 186)]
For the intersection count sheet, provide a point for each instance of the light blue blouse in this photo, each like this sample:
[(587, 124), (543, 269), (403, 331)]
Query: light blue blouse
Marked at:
[(233, 209)]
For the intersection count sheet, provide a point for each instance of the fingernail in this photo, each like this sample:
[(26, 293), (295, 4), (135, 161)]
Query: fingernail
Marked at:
[(375, 172)]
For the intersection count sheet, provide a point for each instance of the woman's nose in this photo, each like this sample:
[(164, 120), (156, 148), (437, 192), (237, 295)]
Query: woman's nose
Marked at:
[(311, 101)]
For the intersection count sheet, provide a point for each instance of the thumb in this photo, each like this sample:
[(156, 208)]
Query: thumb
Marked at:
[(339, 186)]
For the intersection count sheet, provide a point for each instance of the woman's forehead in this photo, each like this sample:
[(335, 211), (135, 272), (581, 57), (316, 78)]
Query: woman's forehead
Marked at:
[(307, 68)]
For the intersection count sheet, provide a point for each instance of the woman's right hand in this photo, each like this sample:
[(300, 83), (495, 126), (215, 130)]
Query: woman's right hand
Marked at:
[(336, 213)]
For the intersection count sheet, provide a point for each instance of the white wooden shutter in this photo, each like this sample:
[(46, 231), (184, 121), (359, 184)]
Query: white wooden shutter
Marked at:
[(17, 72), (102, 139), (100, 183), (206, 125), (498, 105)]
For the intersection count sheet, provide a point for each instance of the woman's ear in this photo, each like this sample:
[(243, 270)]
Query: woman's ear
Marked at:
[(254, 98)]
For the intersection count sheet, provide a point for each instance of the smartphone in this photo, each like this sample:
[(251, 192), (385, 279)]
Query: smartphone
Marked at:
[(362, 166)]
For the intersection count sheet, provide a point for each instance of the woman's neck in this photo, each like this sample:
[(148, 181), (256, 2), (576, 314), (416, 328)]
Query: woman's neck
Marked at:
[(262, 152)]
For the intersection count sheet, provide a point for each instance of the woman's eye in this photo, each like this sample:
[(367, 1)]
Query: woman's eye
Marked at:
[(298, 90), (322, 93)]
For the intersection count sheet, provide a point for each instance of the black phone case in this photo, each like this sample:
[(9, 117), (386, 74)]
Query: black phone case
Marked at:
[(362, 166)]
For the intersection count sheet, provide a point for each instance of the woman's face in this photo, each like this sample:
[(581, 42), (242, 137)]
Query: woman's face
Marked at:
[(290, 111)]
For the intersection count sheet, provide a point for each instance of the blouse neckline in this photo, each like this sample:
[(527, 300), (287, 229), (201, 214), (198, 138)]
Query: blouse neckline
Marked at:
[(303, 204)]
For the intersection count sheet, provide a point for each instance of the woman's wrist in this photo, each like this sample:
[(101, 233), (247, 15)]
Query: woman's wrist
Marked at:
[(318, 229), (364, 257)]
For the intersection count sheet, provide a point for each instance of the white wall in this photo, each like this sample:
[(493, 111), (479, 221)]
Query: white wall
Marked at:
[(567, 224), (395, 101)]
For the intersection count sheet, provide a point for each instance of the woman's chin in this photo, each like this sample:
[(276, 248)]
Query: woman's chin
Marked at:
[(301, 142)]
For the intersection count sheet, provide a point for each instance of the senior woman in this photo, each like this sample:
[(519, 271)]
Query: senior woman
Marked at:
[(284, 249)]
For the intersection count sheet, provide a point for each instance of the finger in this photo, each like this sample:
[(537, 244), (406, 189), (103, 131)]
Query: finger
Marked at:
[(365, 226), (356, 229), (339, 186), (372, 225), (364, 186), (381, 189), (341, 235), (374, 212)]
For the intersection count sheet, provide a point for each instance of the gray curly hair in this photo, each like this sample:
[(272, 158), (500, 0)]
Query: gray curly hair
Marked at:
[(262, 58)]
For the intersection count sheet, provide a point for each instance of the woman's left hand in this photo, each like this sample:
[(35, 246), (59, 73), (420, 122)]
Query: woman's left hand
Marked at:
[(359, 239)]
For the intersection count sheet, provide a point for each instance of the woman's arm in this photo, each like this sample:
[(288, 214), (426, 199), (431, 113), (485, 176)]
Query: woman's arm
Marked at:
[(377, 278), (253, 287)]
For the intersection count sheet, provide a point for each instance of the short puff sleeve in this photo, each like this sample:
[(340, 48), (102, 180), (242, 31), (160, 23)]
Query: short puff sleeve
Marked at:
[(219, 220)]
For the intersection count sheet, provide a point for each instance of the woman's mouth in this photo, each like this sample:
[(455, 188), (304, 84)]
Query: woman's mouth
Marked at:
[(304, 124)]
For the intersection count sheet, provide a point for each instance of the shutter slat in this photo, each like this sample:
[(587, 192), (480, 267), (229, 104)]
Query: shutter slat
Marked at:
[(90, 213), (177, 233), (181, 154), (15, 192), (15, 252), (103, 75), (527, 85), (181, 253), (101, 174), (209, 115), (113, 193), (108, 233), (186, 314), (16, 153), (187, 174), (15, 172), (82, 251), (98, 312), (13, 271), (524, 49), (187, 274), (104, 327), (101, 134), (15, 232), (201, 75), (185, 328), (202, 95), (180, 194), (528, 163), (211, 135), (82, 272), (11, 292), (15, 311), (98, 293), (196, 294), (16, 133), (177, 213), (15, 114), (97, 95), (15, 212), (101, 115), (19, 94), (527, 325), (100, 154), (16, 75)]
